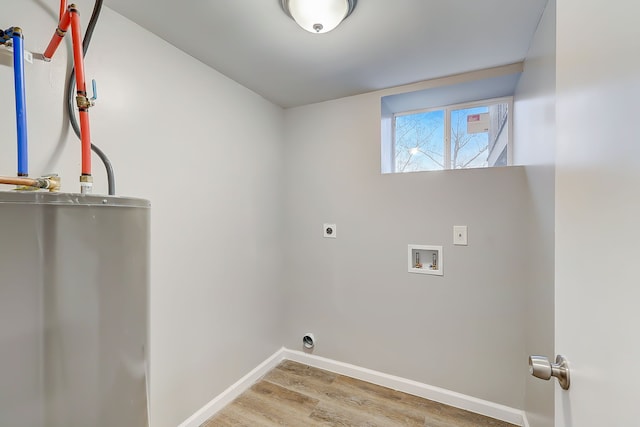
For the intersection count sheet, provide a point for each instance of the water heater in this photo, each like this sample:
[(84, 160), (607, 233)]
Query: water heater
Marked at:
[(74, 279)]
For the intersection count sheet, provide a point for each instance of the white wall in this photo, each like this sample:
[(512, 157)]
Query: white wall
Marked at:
[(462, 331), (208, 154), (597, 211), (534, 146)]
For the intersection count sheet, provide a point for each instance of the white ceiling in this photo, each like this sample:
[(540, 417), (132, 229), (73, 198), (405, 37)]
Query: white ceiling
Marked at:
[(382, 44)]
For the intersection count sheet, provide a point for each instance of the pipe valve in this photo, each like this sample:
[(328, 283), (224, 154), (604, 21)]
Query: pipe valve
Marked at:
[(84, 102)]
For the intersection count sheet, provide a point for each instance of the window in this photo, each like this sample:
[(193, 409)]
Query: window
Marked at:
[(461, 136)]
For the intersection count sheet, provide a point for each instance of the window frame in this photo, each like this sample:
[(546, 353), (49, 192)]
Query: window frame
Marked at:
[(447, 109)]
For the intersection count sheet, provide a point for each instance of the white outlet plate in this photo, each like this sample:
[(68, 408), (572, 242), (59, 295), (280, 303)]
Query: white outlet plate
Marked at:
[(460, 235), (329, 231)]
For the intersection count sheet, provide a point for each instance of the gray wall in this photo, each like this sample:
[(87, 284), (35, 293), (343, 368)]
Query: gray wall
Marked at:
[(534, 134), (462, 331), (207, 152)]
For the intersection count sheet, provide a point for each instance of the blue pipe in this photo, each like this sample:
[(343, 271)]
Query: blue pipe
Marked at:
[(21, 103)]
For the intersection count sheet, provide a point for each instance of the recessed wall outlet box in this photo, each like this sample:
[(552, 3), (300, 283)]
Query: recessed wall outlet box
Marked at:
[(460, 235), (425, 259), (329, 230)]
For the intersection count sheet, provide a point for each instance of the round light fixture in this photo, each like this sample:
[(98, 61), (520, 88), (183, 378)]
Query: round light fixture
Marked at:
[(318, 16)]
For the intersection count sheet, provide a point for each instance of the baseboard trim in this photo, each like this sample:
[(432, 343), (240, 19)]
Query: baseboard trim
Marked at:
[(448, 397), (235, 390)]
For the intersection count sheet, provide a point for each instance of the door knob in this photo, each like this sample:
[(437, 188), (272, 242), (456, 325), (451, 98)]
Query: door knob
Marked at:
[(540, 367)]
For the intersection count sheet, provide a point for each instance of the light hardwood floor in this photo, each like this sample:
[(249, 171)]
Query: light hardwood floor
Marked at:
[(293, 394)]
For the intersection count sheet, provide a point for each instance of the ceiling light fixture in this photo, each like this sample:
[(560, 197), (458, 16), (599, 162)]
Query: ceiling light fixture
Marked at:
[(318, 16)]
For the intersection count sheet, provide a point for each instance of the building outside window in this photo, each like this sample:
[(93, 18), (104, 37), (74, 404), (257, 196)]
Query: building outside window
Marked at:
[(461, 136)]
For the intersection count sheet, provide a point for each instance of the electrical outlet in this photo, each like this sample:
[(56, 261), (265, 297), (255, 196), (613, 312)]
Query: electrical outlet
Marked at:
[(329, 230), (460, 235)]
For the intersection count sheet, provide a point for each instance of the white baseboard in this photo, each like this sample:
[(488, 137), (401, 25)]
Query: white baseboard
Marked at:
[(451, 398), (240, 386)]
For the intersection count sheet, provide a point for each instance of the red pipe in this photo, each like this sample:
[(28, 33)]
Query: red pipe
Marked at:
[(63, 26), (81, 88), (71, 17), (63, 8)]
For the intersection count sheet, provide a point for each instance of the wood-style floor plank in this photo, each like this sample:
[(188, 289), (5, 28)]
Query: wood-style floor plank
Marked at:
[(296, 395)]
